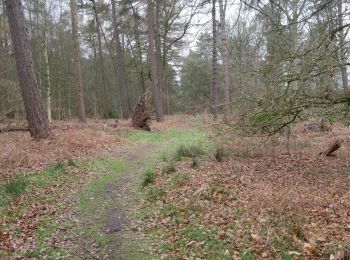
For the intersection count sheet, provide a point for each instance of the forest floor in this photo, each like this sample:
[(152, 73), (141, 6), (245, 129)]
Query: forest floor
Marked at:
[(188, 190)]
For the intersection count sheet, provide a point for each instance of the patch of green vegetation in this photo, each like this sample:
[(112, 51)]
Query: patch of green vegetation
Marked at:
[(191, 209), (155, 194), (238, 212), (163, 157), (170, 167), (16, 186), (149, 178), (52, 176), (232, 228), (169, 141), (179, 179), (247, 254), (49, 175), (113, 114), (71, 163), (93, 192), (46, 229), (94, 199), (195, 240), (220, 154), (284, 229), (21, 184), (188, 151), (142, 137), (287, 256), (216, 187), (195, 163), (169, 210)]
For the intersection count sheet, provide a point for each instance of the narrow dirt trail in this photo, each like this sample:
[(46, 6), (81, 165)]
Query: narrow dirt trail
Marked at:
[(122, 239), (118, 214)]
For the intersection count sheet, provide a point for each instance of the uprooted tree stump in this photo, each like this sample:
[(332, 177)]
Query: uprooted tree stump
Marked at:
[(335, 146), (141, 118)]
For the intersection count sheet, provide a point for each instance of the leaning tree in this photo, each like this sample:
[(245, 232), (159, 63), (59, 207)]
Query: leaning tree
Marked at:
[(37, 119)]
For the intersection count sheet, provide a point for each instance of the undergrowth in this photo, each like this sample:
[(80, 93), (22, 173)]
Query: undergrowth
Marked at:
[(27, 190), (188, 151), (149, 178)]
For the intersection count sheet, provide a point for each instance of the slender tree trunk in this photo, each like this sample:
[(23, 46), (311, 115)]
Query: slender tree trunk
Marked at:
[(37, 120), (293, 41), (3, 37), (78, 83), (2, 26), (225, 58), (166, 101), (139, 50), (100, 53), (48, 79), (47, 65), (154, 62), (159, 53), (214, 64), (343, 59), (97, 91), (120, 67)]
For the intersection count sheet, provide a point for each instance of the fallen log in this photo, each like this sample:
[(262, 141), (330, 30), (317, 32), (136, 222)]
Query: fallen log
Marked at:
[(333, 147), (13, 129)]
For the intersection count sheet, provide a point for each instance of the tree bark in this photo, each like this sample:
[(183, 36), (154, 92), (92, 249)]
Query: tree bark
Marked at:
[(214, 64), (159, 53), (100, 53), (153, 62), (37, 119), (343, 59), (225, 59), (47, 70), (120, 66), (78, 83), (139, 50)]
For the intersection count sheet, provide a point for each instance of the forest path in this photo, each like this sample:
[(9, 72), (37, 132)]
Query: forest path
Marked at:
[(105, 230), (122, 238), (109, 206)]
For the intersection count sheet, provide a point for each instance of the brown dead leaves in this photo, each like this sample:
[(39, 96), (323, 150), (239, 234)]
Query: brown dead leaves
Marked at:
[(70, 140), (297, 205)]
